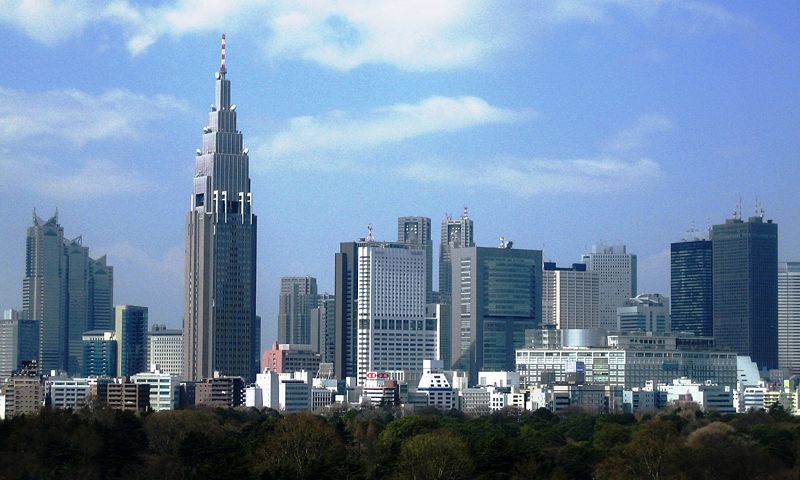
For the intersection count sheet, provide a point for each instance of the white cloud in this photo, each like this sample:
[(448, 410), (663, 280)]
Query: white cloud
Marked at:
[(345, 132), (636, 136), (526, 177), (88, 180), (79, 117)]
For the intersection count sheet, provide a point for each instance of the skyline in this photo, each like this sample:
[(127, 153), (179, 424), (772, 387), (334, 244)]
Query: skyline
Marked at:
[(521, 124)]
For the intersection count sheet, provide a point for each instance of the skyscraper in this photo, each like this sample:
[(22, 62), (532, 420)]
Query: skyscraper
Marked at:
[(745, 264), (220, 322), (417, 231), (130, 328), (570, 296), (165, 349), (67, 291), (456, 233), (298, 296), (692, 292), (19, 342), (499, 296), (617, 270), (323, 327), (345, 359), (789, 316)]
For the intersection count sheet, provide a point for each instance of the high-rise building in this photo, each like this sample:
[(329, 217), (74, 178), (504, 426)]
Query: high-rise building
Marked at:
[(131, 332), (691, 287), (99, 354), (498, 297), (165, 349), (67, 291), (220, 325), (789, 316), (323, 327), (417, 231), (19, 342), (298, 296), (647, 312), (617, 271), (570, 296), (745, 264), (455, 233), (345, 359), (393, 334)]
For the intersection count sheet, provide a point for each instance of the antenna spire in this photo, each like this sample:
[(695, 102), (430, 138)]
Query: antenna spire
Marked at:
[(222, 69), (370, 237)]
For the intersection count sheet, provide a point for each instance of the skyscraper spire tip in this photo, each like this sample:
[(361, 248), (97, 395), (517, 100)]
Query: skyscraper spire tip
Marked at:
[(222, 69)]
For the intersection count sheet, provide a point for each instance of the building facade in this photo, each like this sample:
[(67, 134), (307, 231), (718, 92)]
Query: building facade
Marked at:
[(99, 354), (745, 264), (19, 342), (692, 287), (497, 296), (417, 231), (323, 327), (647, 312), (288, 358), (220, 326), (131, 332), (455, 233), (345, 346), (165, 349), (298, 296), (164, 388), (789, 316), (570, 296), (616, 269)]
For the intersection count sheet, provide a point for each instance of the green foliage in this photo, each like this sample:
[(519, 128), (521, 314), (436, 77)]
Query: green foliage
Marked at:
[(377, 443)]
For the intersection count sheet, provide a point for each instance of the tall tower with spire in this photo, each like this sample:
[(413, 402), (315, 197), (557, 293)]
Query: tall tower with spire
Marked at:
[(220, 326)]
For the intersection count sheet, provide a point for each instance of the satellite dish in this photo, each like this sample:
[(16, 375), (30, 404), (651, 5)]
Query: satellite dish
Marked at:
[(198, 152), (216, 75), (233, 107), (206, 129), (244, 152), (213, 108)]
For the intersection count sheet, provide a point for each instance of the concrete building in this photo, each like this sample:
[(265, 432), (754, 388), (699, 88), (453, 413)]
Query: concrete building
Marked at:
[(455, 233), (165, 349), (417, 231), (131, 330), (630, 361), (380, 390), (284, 358), (125, 395), (789, 316), (436, 386), (72, 393), (588, 398), (99, 354), (220, 391), (19, 342), (570, 296), (323, 327), (499, 296), (288, 392), (616, 269), (647, 312), (745, 263), (23, 393), (298, 296), (221, 329), (692, 287), (707, 396), (392, 331), (66, 291), (164, 388)]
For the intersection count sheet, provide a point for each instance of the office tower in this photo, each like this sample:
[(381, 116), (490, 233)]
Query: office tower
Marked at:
[(346, 295), (131, 330), (323, 327), (99, 354), (393, 334), (165, 349), (617, 272), (647, 312), (417, 231), (456, 233), (691, 287), (19, 342), (220, 322), (67, 291), (498, 297), (298, 296), (745, 279), (570, 296), (789, 316)]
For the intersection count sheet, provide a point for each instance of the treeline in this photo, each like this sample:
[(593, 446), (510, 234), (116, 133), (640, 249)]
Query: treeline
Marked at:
[(382, 443)]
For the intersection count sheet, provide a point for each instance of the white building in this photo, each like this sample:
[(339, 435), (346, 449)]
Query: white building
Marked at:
[(287, 392), (789, 316), (164, 388), (436, 386), (498, 379), (647, 312), (708, 396), (616, 269), (393, 333), (570, 296), (253, 397), (69, 392), (165, 348)]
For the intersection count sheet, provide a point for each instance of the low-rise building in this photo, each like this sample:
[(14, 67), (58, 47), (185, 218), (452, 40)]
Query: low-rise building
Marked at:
[(220, 391), (436, 386), (70, 393), (290, 358), (126, 395), (164, 388), (707, 396)]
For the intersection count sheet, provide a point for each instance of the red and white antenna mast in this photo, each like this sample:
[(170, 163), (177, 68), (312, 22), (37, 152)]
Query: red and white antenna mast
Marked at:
[(222, 68)]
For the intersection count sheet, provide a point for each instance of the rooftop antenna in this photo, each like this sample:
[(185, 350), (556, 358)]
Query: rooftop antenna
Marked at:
[(370, 238), (465, 215), (222, 69), (759, 208), (502, 242)]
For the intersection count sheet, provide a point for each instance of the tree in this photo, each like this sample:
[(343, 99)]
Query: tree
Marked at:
[(440, 455), (652, 454)]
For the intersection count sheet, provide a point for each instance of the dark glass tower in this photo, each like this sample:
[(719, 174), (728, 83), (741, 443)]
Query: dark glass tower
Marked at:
[(220, 324), (745, 264), (692, 292), (417, 231)]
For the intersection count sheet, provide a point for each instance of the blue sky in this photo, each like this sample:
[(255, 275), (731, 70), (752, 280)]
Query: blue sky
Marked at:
[(560, 124)]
